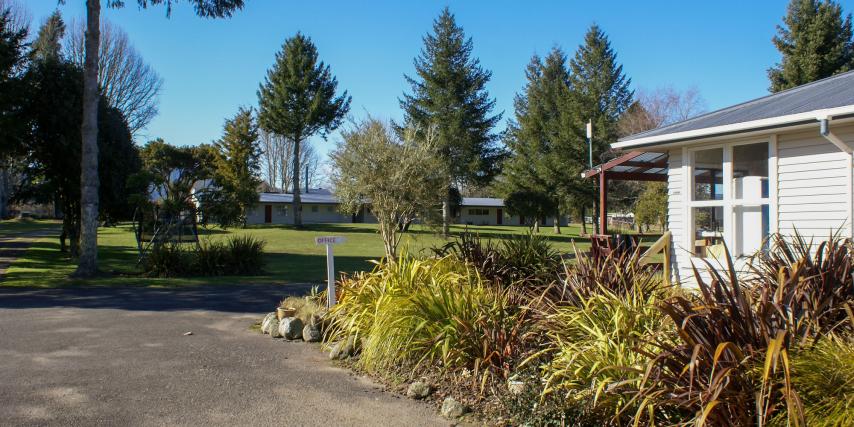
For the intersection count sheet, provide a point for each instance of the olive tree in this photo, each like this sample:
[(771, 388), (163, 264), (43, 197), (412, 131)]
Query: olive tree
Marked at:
[(400, 178)]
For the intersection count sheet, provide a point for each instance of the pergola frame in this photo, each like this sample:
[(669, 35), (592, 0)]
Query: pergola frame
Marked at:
[(632, 166)]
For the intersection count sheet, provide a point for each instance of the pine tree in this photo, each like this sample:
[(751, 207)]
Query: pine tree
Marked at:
[(48, 43), (600, 94), (538, 139), (297, 100), (237, 166), (448, 95), (815, 41)]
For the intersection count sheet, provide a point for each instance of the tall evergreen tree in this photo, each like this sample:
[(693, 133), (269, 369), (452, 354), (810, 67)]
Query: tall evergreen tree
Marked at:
[(600, 94), (13, 37), (539, 140), (815, 41), (48, 43), (298, 100), (449, 94), (88, 263), (236, 169)]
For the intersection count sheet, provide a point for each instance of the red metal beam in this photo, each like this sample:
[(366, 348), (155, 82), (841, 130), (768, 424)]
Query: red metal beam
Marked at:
[(636, 176), (603, 202)]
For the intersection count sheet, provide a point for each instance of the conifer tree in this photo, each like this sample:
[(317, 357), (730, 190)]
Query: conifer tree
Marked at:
[(13, 37), (815, 41), (448, 94), (600, 93), (48, 43), (298, 100), (236, 169), (539, 140)]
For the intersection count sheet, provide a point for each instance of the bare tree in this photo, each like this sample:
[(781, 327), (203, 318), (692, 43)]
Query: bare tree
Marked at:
[(277, 161), (20, 17), (660, 107), (130, 85)]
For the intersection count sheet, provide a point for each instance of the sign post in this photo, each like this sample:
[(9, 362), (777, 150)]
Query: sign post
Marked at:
[(330, 265)]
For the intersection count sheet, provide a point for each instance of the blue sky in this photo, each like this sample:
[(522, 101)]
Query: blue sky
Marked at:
[(212, 67)]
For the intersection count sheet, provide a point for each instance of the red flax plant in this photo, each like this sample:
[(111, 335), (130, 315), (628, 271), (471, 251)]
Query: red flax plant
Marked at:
[(730, 366)]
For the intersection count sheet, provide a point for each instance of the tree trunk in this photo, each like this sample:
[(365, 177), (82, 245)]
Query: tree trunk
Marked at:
[(557, 222), (536, 225), (446, 216), (297, 201), (88, 263), (583, 220)]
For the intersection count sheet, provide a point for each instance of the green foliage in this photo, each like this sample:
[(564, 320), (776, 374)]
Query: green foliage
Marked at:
[(48, 44), (430, 313), (236, 256), (823, 376), (597, 347), (530, 204), (297, 100), (235, 172), (815, 41), (402, 178), (449, 93), (651, 206), (526, 260), (12, 90), (541, 139)]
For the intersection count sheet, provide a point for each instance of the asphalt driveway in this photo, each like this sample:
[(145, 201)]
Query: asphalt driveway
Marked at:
[(106, 356)]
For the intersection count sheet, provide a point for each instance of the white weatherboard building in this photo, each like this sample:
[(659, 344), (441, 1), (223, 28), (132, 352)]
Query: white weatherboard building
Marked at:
[(320, 207), (775, 164)]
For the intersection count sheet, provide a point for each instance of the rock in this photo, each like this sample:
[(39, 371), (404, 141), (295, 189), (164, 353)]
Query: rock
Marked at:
[(343, 349), (418, 390), (453, 409), (516, 387), (291, 328), (265, 324), (188, 333), (275, 331), (311, 333)]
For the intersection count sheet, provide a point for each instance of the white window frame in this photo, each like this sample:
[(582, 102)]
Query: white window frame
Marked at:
[(728, 203)]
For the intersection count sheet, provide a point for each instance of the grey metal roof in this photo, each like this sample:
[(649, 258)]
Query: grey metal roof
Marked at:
[(483, 201), (831, 92), (320, 198), (326, 197)]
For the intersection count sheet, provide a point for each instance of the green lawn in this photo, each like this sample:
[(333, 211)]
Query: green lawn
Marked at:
[(292, 255)]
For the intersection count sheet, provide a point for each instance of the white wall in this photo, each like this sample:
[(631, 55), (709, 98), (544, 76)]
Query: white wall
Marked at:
[(815, 184), (283, 214)]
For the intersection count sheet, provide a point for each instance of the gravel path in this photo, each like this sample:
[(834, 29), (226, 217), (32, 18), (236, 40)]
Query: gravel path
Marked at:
[(106, 356)]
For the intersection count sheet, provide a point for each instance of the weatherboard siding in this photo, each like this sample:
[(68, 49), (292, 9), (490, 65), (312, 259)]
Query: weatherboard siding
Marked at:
[(814, 184), (679, 256)]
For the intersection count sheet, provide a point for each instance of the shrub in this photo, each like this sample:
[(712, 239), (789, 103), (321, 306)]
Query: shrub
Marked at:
[(528, 258), (595, 322), (731, 364), (169, 260), (429, 313), (238, 255), (823, 377), (245, 255), (808, 288), (212, 259)]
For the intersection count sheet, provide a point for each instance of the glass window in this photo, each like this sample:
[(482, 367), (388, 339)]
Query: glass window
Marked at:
[(750, 171), (751, 215), (708, 174), (314, 208), (708, 231)]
